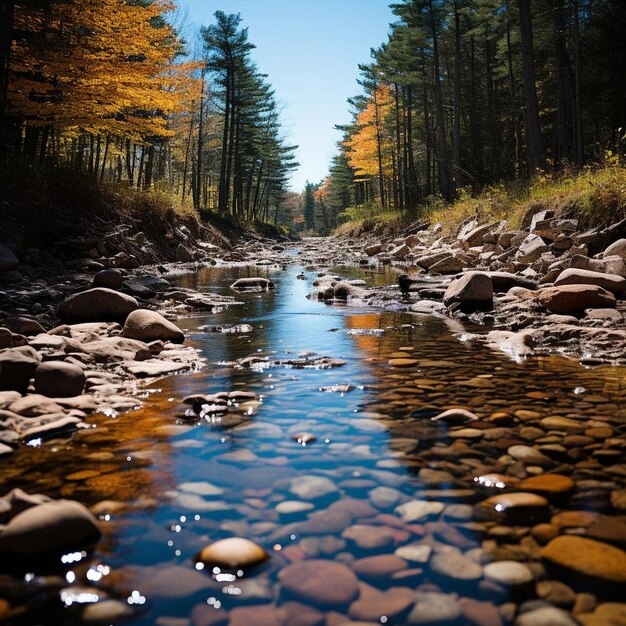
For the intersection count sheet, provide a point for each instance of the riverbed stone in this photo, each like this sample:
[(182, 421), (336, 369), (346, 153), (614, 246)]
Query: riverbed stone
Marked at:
[(252, 284), (417, 510), (454, 567), (17, 367), (586, 558), (520, 508), (392, 604), (59, 379), (97, 305), (320, 582), (432, 608), (508, 573), (109, 278), (312, 487), (146, 325), (456, 416), (546, 484), (50, 527), (8, 260), (472, 290), (574, 299), (574, 276), (546, 616), (232, 553)]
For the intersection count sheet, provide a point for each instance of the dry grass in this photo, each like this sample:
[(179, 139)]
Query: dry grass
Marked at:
[(596, 196)]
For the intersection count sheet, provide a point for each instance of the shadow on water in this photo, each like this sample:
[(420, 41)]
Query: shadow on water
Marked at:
[(164, 487)]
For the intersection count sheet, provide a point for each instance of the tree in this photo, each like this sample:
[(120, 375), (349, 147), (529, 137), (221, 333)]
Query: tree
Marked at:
[(309, 206)]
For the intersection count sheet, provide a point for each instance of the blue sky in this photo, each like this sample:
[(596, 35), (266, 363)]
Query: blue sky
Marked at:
[(311, 50)]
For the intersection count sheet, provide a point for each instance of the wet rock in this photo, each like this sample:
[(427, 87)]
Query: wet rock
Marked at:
[(106, 611), (417, 510), (153, 368), (146, 325), (548, 484), (380, 567), (456, 416), (586, 558), (252, 284), (54, 426), (50, 527), (432, 608), (529, 455), (391, 604), (611, 282), (109, 279), (17, 366), (59, 379), (517, 508), (473, 290), (415, 553), (508, 573), (452, 566), (319, 582), (606, 614), (368, 537), (312, 487), (556, 593), (574, 299), (546, 616), (232, 553), (97, 305)]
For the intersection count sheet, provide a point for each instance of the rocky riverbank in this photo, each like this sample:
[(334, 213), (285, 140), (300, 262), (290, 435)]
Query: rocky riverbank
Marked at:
[(549, 288)]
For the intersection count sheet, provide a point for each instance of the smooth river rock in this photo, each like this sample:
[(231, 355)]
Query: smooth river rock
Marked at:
[(146, 325), (97, 305)]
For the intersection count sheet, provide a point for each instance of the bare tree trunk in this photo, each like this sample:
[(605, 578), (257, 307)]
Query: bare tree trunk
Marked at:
[(379, 149), (580, 147), (536, 149), (456, 133)]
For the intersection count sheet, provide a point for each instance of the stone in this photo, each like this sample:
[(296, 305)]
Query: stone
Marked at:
[(155, 367), (55, 526), (146, 325), (574, 299), (456, 416), (573, 276), (319, 582), (432, 608), (546, 616), (548, 484), (556, 593), (390, 604), (35, 405), (453, 566), (385, 497), (8, 260), (606, 614), (368, 537), (312, 487), (379, 567), (232, 553), (24, 326), (415, 553), (519, 508), (252, 284), (531, 248), (183, 254), (618, 248), (417, 510), (109, 279), (529, 455), (97, 305), (106, 611), (473, 290), (586, 558), (54, 426), (17, 366), (58, 379), (508, 573)]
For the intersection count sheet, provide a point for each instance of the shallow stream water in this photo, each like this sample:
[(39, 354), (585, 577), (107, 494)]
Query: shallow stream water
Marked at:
[(166, 487)]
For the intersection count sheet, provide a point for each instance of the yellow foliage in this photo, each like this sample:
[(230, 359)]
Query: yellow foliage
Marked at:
[(98, 66), (362, 146)]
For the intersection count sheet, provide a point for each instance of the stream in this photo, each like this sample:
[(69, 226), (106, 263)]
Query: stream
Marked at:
[(165, 487)]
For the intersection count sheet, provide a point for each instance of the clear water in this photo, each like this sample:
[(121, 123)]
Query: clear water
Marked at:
[(153, 467)]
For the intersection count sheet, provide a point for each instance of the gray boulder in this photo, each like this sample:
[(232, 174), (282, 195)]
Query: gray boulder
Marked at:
[(473, 290), (146, 325), (97, 305), (58, 379)]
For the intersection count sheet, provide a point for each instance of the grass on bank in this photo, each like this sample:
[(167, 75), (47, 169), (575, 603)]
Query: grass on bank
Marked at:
[(596, 196)]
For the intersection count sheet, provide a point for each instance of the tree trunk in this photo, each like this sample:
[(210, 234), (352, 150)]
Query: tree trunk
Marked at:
[(536, 150), (580, 147), (456, 134)]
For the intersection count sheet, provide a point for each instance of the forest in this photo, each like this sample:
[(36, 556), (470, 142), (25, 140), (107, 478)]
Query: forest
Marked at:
[(112, 90), (467, 94)]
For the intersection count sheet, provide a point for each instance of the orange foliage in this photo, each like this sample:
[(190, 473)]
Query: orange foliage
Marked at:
[(100, 66), (362, 146)]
